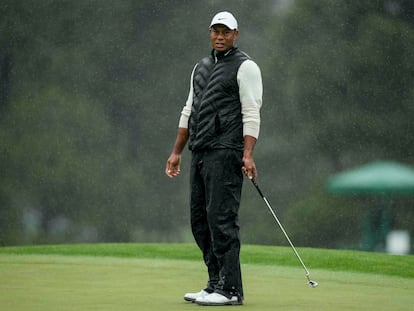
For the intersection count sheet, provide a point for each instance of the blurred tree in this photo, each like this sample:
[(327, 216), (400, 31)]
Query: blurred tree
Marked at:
[(5, 71), (91, 91), (59, 164), (338, 88), (321, 220), (348, 68)]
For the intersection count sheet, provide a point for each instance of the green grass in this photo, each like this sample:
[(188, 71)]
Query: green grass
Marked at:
[(333, 260), (155, 277)]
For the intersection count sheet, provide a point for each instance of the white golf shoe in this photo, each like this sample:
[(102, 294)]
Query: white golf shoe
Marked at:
[(216, 299), (194, 296)]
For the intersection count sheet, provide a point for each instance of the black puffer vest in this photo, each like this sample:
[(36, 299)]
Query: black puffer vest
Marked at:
[(216, 119)]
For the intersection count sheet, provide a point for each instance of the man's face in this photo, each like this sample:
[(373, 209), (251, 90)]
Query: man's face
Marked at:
[(222, 38)]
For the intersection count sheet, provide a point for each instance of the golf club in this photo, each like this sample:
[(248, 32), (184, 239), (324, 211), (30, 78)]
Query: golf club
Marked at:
[(310, 282)]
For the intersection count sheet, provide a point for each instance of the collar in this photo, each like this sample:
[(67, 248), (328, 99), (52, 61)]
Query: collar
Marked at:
[(220, 55)]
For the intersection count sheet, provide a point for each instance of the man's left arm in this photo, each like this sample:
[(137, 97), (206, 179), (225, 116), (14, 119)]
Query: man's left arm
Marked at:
[(251, 91)]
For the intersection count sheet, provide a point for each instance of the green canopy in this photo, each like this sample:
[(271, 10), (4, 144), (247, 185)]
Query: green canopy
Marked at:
[(381, 177)]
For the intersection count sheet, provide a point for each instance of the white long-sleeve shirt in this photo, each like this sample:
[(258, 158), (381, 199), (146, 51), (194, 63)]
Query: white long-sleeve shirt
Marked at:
[(249, 79)]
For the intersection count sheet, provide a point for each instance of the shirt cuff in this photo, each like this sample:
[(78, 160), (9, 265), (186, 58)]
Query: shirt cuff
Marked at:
[(250, 131)]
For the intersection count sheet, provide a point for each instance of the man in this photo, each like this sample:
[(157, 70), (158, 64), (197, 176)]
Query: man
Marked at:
[(221, 121)]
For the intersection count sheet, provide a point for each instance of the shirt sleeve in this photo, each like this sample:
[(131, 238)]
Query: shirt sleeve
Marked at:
[(249, 79), (185, 113)]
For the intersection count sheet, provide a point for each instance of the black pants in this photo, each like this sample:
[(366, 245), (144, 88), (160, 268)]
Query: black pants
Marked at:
[(216, 182)]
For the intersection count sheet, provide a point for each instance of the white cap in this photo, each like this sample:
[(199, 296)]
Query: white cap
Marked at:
[(225, 18)]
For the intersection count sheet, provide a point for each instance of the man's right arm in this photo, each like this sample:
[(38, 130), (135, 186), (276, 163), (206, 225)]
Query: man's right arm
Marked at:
[(172, 168), (185, 113)]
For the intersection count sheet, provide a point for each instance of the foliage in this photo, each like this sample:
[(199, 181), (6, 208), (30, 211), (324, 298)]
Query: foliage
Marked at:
[(91, 93), (320, 220)]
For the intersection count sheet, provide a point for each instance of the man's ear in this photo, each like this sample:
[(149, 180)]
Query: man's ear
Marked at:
[(236, 33)]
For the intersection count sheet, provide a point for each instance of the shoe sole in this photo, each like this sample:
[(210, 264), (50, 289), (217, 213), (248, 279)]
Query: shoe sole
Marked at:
[(229, 303), (189, 299)]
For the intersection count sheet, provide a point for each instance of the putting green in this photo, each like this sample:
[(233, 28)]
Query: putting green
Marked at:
[(53, 282)]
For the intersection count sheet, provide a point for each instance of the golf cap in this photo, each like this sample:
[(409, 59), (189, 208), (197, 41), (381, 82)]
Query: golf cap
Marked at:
[(225, 18)]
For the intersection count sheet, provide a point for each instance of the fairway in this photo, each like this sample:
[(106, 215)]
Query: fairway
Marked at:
[(55, 282)]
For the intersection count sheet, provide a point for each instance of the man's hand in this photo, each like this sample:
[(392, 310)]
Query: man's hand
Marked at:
[(249, 167), (172, 169)]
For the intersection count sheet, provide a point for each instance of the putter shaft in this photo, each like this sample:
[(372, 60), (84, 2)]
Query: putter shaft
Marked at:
[(310, 283)]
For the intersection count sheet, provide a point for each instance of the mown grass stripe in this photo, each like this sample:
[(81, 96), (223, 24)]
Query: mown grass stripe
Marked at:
[(72, 283), (334, 260)]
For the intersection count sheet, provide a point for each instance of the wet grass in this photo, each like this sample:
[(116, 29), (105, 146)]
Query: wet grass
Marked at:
[(155, 277), (333, 260)]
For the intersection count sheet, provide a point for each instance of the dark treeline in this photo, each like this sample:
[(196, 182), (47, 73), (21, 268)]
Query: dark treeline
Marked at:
[(91, 91)]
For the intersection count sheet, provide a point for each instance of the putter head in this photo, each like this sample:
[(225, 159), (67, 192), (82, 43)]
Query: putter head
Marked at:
[(312, 283)]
